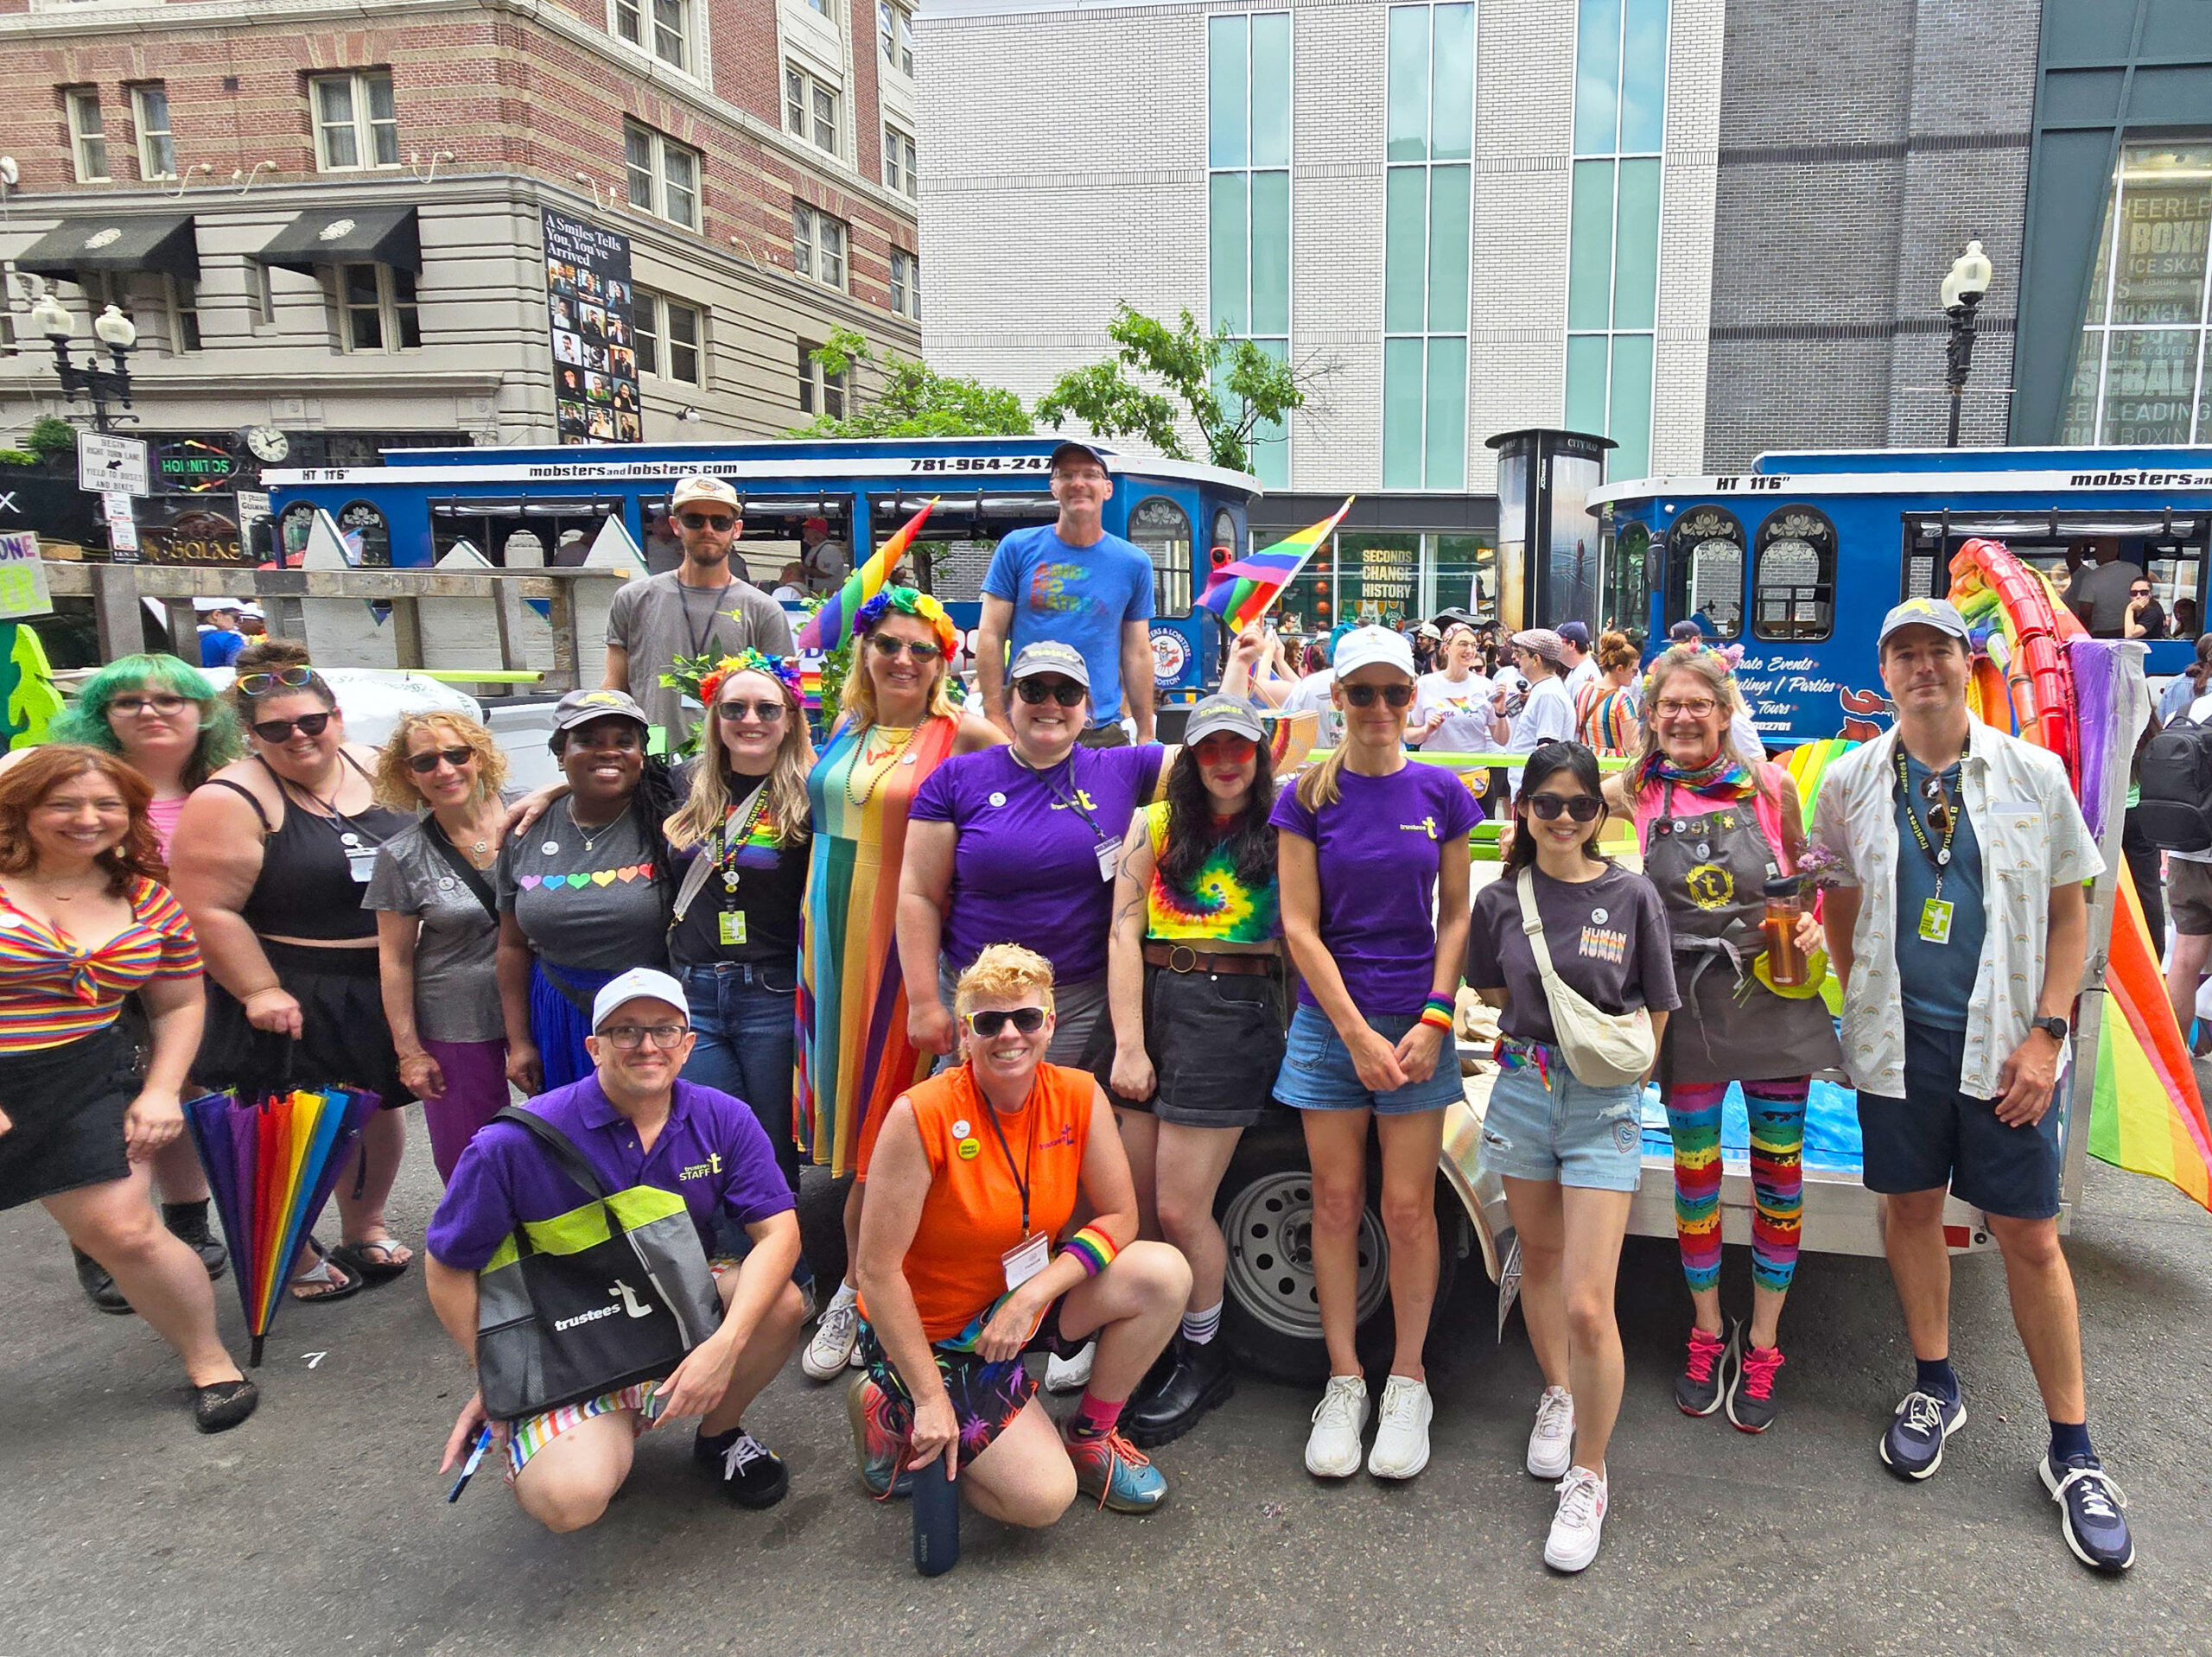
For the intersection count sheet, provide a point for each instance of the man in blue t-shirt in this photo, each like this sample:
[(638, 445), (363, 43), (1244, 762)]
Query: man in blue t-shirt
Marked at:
[(220, 640), (1075, 583)]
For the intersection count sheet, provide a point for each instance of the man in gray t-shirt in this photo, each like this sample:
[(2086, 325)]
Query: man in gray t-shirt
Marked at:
[(2098, 595)]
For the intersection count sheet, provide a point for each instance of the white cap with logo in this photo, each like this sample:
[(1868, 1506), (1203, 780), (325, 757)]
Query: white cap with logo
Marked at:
[(640, 983), (1372, 646)]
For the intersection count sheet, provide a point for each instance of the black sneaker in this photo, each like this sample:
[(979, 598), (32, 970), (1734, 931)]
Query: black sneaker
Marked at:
[(1199, 1380), (188, 1221), (1750, 1394), (1698, 1389), (751, 1475), (2089, 1505), (1913, 1447), (99, 1288)]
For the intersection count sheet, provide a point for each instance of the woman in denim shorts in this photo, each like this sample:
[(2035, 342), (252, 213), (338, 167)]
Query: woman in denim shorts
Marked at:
[(1371, 855), (1570, 1154)]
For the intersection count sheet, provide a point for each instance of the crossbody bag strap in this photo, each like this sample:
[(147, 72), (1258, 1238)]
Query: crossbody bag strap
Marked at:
[(468, 871), (563, 1149), (702, 865), (1533, 924)]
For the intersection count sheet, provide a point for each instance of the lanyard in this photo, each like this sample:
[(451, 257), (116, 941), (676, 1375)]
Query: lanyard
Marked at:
[(731, 843), (691, 629), (1073, 801), (1938, 857), (1028, 1154)]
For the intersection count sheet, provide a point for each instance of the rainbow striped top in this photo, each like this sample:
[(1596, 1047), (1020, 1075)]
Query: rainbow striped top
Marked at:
[(1219, 908), (52, 992)]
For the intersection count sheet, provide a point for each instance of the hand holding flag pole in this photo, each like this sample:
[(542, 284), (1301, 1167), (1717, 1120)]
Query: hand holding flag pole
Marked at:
[(827, 627), (1243, 591)]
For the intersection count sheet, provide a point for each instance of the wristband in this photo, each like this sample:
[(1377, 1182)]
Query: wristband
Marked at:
[(1092, 1248), (1438, 1011)]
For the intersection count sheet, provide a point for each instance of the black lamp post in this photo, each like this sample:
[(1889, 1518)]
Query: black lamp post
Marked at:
[(88, 379), (1963, 290)]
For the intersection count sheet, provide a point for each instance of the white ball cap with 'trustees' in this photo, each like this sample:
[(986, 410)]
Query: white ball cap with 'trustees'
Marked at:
[(640, 983)]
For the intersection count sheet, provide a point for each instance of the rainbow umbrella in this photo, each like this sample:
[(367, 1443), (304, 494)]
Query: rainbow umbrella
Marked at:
[(826, 628), (1242, 592), (271, 1165)]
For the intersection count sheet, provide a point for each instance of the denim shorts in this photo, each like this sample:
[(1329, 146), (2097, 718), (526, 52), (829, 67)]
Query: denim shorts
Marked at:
[(1564, 1132), (1317, 1073), (1936, 1136)]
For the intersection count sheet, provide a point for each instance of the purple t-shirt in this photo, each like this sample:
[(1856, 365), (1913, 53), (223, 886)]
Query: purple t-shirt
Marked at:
[(712, 1152), (1026, 867), (1378, 849)]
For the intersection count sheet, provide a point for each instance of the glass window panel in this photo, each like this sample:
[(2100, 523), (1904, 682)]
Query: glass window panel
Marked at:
[(360, 283), (1446, 443), (403, 309), (1403, 393), (2149, 387), (1225, 91), (638, 158), (1452, 129), (825, 119), (645, 330), (795, 102), (1597, 76), (380, 104), (1270, 91), (2163, 217), (1628, 415), (1636, 245), (1407, 131), (1270, 253), (1585, 383), (627, 21), (1448, 227), (668, 30), (1405, 248), (1590, 255), (833, 253), (1228, 214), (335, 100), (1643, 77)]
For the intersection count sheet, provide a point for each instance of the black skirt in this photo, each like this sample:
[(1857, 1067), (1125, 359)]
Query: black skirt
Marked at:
[(67, 1104), (344, 1041)]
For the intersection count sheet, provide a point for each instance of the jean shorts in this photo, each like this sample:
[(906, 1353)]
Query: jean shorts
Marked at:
[(1564, 1132), (1317, 1073)]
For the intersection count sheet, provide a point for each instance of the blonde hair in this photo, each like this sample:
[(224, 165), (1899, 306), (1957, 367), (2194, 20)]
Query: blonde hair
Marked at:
[(1001, 972), (394, 784), (857, 701), (1319, 786), (708, 806), (1706, 663)]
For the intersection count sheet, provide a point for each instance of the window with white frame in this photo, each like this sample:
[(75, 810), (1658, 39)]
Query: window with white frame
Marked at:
[(899, 163), (907, 283), (809, 110), (87, 134), (894, 35), (819, 390), (664, 175), (356, 122), (667, 333), (149, 109), (376, 309), (817, 246), (660, 27)]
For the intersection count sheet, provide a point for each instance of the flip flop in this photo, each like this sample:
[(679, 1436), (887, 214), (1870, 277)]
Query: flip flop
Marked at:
[(320, 1273), (358, 1261)]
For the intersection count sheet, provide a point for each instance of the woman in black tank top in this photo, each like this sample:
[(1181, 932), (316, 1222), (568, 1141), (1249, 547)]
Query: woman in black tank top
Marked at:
[(270, 860)]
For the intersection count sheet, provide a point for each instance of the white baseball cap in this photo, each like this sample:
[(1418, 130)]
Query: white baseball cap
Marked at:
[(638, 983), (1365, 647)]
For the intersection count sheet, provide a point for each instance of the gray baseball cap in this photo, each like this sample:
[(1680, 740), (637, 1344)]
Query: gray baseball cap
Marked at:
[(1223, 713), (1049, 655), (581, 707), (1940, 613)]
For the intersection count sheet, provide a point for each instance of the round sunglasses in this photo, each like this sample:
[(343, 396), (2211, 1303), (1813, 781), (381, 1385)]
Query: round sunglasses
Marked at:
[(1026, 1019), (1065, 692), (423, 763), (260, 684), (1583, 808), (280, 730)]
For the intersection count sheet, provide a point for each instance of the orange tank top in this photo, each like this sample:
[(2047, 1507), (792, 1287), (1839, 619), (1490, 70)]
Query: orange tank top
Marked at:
[(972, 1215)]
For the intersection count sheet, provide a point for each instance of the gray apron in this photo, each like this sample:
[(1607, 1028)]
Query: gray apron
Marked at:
[(1710, 871)]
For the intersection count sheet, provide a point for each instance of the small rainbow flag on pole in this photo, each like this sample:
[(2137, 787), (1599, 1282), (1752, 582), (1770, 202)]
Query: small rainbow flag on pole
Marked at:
[(1241, 593), (827, 627)]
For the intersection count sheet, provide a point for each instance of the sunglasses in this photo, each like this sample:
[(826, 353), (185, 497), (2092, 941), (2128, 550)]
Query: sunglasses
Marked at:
[(423, 763), (260, 684), (1213, 750), (1583, 808), (891, 649), (705, 520), (766, 712), (2138, 591), (1365, 695), (280, 730), (162, 705), (1065, 692), (1026, 1019)]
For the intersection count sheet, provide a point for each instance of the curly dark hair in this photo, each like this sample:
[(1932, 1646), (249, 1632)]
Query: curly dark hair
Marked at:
[(24, 784), (1191, 837)]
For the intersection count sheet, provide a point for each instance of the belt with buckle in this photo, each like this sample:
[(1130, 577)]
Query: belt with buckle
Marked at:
[(1182, 958)]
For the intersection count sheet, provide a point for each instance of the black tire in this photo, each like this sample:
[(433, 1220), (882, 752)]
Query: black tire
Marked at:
[(1271, 1320)]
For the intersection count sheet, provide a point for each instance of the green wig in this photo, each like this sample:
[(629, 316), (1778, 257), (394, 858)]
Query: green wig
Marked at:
[(85, 719)]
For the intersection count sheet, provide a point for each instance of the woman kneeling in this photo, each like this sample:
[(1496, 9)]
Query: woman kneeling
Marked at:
[(976, 1172)]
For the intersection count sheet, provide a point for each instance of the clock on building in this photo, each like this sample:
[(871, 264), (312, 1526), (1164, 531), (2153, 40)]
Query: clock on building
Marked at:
[(268, 444)]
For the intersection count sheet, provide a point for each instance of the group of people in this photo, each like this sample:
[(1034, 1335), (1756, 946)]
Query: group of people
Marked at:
[(1030, 981)]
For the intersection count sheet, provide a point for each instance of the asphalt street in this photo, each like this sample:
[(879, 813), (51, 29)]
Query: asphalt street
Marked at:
[(321, 1526)]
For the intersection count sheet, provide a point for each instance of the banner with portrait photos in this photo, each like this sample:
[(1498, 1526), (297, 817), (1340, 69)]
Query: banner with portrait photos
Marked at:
[(590, 303)]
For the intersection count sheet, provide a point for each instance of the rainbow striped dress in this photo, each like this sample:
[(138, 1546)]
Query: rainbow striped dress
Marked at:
[(854, 1058)]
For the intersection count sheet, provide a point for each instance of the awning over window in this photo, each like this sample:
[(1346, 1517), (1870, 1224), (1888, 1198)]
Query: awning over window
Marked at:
[(116, 245), (346, 235)]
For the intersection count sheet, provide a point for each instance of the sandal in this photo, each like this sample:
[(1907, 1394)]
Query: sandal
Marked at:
[(348, 1283), (373, 1268), (220, 1407)]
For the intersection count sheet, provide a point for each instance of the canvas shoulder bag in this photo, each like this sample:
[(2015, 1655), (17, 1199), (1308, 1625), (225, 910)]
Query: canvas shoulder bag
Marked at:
[(1603, 1049), (614, 1292)]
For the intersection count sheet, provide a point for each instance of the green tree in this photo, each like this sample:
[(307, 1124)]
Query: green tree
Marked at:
[(1227, 387), (50, 435), (911, 399)]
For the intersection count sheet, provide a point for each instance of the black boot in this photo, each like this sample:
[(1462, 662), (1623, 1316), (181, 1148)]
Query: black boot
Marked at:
[(99, 1288), (189, 1222), (1201, 1378)]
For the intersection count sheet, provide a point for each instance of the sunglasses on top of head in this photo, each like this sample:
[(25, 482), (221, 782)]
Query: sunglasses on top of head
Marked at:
[(1065, 692), (1029, 1020), (260, 684), (706, 520), (1363, 695), (1583, 808), (280, 730)]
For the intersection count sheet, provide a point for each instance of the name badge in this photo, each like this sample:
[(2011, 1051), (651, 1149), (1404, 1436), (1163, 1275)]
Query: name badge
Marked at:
[(732, 925), (1027, 1259), (361, 863), (1935, 921), (1109, 853)]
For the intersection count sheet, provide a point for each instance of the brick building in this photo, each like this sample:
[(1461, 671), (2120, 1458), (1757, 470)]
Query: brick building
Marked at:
[(328, 221)]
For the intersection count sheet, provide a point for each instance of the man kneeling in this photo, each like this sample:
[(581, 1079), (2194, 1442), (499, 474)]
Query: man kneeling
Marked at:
[(636, 1124), (976, 1172)]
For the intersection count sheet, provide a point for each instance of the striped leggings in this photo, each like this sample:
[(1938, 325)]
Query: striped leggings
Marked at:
[(1777, 1123)]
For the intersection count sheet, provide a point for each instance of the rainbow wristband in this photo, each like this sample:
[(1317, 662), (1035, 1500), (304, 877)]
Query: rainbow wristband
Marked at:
[(1438, 1011), (1093, 1249)]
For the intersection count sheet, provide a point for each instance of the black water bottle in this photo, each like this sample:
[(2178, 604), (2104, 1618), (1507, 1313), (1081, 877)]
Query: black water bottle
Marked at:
[(937, 1519)]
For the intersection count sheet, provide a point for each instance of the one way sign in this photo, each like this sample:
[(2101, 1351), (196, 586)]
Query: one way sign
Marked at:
[(106, 465)]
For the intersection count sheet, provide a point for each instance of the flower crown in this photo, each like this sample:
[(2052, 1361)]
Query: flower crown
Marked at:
[(1730, 656), (783, 669), (908, 602)]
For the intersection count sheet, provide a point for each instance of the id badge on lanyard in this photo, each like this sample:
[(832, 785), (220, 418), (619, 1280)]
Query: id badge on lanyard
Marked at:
[(361, 863), (1026, 1259), (1108, 854), (1935, 921)]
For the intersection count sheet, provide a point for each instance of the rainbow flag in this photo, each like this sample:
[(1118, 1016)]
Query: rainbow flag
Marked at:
[(1241, 593), (2146, 1116), (827, 627)]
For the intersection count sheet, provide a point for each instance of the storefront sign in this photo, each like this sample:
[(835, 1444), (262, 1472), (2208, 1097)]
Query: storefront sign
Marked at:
[(194, 534), (589, 307), (194, 466)]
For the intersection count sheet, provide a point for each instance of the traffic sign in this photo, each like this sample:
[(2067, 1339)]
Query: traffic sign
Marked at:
[(106, 463), (122, 525)]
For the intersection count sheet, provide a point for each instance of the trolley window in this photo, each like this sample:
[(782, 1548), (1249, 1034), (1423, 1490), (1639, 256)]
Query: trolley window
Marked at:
[(1163, 529), (1792, 588), (1705, 571)]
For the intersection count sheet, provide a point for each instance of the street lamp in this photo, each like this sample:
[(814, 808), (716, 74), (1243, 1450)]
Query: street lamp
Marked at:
[(1963, 290), (88, 379)]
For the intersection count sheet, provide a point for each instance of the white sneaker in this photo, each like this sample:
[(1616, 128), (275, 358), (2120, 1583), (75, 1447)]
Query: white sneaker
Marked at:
[(1401, 1438), (1070, 1374), (1332, 1448), (1551, 1441), (835, 1337), (1579, 1523)]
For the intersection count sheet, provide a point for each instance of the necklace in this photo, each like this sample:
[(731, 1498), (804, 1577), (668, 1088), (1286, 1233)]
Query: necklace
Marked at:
[(479, 850), (591, 837), (62, 896), (893, 755)]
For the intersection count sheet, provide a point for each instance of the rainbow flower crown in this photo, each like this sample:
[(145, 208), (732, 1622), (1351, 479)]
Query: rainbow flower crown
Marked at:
[(908, 602), (783, 669)]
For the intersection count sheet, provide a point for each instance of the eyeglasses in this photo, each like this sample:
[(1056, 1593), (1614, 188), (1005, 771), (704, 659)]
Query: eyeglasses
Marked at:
[(1026, 1019), (1065, 692), (628, 1037), (260, 684), (1583, 808), (766, 712), (705, 520), (423, 763), (1365, 695), (163, 705), (891, 649), (1234, 749), (280, 730), (1693, 707)]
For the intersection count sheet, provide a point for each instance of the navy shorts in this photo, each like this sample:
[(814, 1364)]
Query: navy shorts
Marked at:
[(1936, 1137)]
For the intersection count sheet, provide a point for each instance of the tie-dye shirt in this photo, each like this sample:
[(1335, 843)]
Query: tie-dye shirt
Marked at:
[(1219, 909)]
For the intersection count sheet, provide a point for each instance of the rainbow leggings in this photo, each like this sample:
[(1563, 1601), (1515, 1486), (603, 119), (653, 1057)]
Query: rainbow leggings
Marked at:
[(1776, 1110)]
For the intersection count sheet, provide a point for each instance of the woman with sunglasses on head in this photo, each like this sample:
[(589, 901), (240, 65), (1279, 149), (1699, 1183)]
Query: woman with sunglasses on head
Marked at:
[(1452, 712), (271, 860), (1195, 976), (1371, 852), (1716, 825), (900, 721), (1570, 1152), (438, 922)]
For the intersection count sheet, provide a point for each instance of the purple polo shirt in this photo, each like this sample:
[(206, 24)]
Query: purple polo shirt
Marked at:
[(712, 1152)]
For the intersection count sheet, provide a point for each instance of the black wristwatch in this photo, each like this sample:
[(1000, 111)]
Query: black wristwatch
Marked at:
[(2054, 1028)]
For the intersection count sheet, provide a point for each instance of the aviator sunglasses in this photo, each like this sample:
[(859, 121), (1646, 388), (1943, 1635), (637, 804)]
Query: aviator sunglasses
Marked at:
[(1026, 1019), (1583, 808), (889, 647)]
